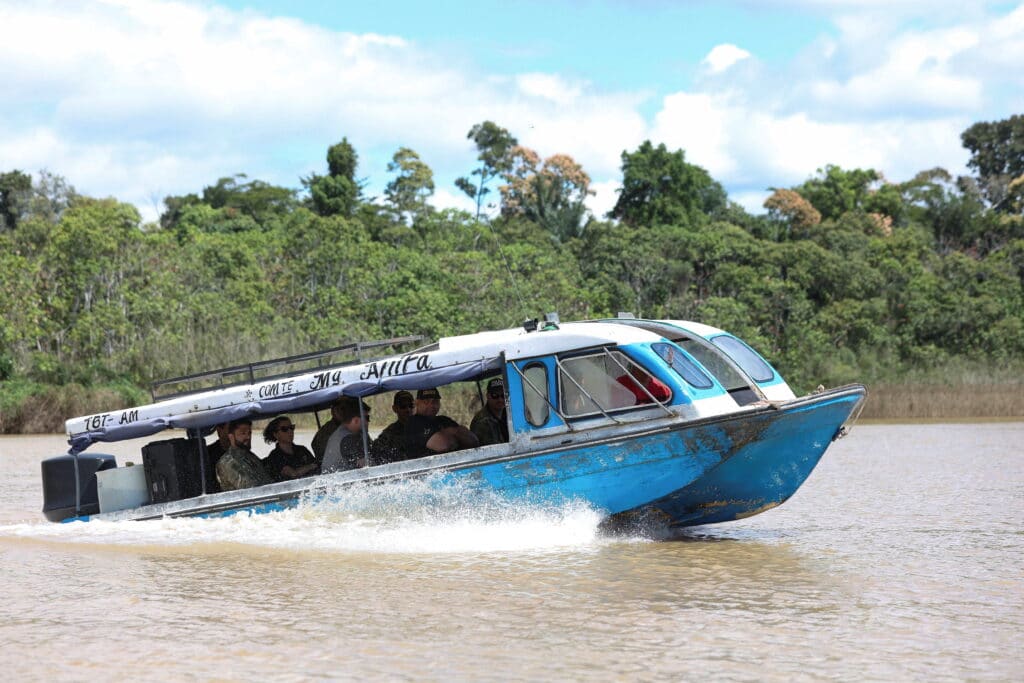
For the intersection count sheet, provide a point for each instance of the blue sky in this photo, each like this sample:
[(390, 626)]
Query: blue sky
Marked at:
[(139, 99)]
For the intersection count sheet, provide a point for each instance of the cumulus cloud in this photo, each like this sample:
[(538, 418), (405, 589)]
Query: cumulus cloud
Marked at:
[(723, 56), (121, 91), (749, 146), (144, 98)]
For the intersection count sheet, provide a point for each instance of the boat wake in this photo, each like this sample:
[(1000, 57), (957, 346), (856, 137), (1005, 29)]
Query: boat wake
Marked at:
[(403, 517)]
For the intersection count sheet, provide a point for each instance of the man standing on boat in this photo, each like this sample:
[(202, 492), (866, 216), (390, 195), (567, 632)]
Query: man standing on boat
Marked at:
[(239, 468), (344, 450), (390, 444), (490, 424), (428, 433)]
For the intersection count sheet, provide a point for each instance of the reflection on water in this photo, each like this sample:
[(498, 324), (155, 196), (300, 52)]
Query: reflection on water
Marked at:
[(899, 560)]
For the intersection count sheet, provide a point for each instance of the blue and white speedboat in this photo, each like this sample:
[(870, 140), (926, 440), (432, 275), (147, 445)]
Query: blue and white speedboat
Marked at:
[(706, 431)]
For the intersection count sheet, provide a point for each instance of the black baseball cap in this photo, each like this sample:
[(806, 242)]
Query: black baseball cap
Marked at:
[(496, 386), (402, 398), (428, 393)]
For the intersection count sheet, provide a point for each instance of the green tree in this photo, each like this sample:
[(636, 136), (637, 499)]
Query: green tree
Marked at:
[(412, 187), (551, 194), (997, 155), (256, 199), (836, 191), (15, 193), (494, 144), (659, 186), (338, 193)]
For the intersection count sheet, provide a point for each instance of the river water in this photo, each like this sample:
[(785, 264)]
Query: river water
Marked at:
[(901, 558)]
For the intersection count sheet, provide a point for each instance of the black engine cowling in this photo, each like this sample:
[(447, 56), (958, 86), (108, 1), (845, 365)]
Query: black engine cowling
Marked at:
[(59, 484)]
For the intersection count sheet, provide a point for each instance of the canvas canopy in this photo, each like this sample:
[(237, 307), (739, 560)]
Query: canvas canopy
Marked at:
[(265, 398)]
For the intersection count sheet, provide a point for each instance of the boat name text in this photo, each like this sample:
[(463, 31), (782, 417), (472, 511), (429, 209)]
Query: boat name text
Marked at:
[(104, 419), (400, 366), (282, 388)]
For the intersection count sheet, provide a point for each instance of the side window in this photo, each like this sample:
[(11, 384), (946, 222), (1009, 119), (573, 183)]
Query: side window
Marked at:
[(592, 384), (745, 357), (716, 364), (683, 366), (537, 408)]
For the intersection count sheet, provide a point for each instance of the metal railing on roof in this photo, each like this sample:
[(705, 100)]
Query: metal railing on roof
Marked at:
[(272, 368)]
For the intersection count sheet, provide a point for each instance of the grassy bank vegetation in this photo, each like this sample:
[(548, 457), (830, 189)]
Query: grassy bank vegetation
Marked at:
[(28, 407), (915, 288)]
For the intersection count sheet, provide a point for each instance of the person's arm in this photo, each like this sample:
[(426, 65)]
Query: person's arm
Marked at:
[(442, 441), (296, 472), (465, 438)]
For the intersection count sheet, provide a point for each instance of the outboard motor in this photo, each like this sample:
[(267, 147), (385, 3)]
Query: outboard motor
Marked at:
[(59, 489)]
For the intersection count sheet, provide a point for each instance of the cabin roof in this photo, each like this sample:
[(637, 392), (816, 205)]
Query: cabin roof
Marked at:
[(517, 343), (452, 359)]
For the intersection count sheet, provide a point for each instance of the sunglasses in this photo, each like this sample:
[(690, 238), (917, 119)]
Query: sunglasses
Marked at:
[(496, 394), (289, 428)]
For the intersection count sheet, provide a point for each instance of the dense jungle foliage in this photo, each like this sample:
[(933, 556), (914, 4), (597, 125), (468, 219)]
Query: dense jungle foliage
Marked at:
[(846, 277)]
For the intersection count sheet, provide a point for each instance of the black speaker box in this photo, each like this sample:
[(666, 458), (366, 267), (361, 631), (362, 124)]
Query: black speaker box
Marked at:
[(172, 469)]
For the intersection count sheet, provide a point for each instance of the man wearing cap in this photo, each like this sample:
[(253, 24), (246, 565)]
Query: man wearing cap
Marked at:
[(427, 433), (390, 444), (490, 424)]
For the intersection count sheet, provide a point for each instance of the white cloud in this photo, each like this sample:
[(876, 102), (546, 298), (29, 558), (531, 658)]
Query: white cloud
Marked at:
[(606, 194), (915, 71), (549, 87), (723, 56), (214, 92), (139, 99), (697, 124), (747, 144)]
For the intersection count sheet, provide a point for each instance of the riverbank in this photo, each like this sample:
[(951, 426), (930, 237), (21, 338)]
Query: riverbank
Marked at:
[(900, 402)]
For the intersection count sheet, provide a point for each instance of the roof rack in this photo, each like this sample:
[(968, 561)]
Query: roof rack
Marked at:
[(250, 372)]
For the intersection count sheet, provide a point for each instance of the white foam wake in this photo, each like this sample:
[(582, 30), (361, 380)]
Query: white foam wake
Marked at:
[(405, 517)]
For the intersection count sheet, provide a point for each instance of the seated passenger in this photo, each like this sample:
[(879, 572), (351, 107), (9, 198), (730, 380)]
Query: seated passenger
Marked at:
[(427, 433), (319, 442), (344, 450), (637, 378), (390, 444), (239, 468), (213, 453), (288, 460), (490, 424)]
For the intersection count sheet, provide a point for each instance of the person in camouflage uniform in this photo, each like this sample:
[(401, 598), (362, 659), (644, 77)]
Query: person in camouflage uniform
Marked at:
[(239, 468), (390, 445)]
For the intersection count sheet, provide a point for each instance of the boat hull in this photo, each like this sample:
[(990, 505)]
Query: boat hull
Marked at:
[(763, 472), (681, 473), (698, 473)]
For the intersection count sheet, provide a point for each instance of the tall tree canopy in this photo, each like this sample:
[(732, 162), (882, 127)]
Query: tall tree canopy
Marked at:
[(660, 187), (550, 194), (15, 193), (337, 193), (495, 145), (412, 187), (997, 154)]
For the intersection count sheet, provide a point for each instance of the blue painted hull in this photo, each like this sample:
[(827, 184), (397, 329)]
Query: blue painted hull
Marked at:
[(701, 473), (684, 474)]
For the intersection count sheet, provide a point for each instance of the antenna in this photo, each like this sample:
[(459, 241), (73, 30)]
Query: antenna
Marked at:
[(508, 269)]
